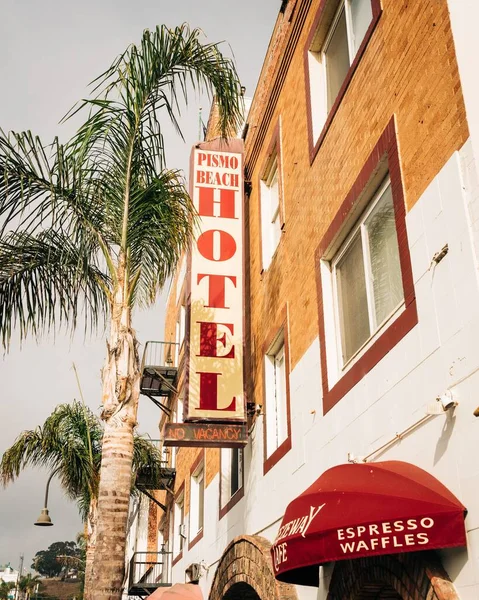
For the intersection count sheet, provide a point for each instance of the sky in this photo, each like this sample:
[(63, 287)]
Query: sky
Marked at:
[(50, 50)]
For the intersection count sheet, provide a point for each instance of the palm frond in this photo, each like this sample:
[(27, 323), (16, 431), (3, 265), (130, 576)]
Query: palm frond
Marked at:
[(71, 213), (83, 504), (62, 444), (160, 229), (27, 450), (46, 280), (147, 460), (122, 135), (42, 186)]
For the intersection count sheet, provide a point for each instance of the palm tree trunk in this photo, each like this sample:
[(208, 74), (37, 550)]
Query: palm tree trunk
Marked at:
[(90, 543), (121, 390)]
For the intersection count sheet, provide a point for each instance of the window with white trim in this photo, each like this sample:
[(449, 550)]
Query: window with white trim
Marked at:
[(179, 532), (180, 408), (270, 211), (367, 279), (181, 278), (174, 449), (332, 51), (276, 399), (160, 541), (162, 576), (182, 320), (180, 329), (231, 473), (197, 494), (171, 534)]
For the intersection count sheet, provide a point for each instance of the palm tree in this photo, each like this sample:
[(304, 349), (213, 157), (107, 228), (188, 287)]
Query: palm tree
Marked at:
[(96, 226), (70, 442), (27, 584), (5, 588)]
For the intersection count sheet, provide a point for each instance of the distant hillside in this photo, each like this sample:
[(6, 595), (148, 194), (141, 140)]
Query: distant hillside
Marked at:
[(62, 590)]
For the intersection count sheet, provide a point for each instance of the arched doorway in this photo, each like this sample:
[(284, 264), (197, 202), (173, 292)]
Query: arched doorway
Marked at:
[(241, 591), (245, 572), (412, 576)]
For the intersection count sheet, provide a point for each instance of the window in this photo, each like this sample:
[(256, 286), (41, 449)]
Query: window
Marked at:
[(179, 533), (174, 449), (276, 422), (180, 329), (231, 477), (276, 399), (367, 275), (180, 409), (181, 278), (332, 53), (366, 298), (182, 324), (197, 492), (163, 570), (270, 211), (177, 417), (160, 543)]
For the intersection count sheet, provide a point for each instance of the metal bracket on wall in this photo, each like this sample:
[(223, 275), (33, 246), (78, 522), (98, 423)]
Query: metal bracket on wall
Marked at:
[(161, 406), (153, 499)]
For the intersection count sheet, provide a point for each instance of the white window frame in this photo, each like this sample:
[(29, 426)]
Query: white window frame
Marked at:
[(180, 408), (180, 328), (276, 392), (160, 547), (174, 449), (226, 474), (271, 224), (197, 502), (336, 365), (179, 525), (171, 533), (317, 65), (181, 278)]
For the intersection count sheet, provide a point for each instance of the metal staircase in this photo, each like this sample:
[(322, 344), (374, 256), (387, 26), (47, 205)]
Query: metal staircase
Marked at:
[(159, 372), (148, 571)]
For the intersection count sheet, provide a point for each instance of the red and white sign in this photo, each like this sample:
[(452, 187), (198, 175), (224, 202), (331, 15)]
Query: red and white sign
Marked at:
[(360, 510), (215, 360)]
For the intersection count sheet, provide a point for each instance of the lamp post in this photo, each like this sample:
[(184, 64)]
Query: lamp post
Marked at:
[(44, 518)]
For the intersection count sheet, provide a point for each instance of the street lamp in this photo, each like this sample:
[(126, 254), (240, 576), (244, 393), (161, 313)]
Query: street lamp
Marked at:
[(44, 518)]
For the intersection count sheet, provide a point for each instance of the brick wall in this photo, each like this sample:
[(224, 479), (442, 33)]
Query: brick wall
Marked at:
[(245, 572), (408, 70)]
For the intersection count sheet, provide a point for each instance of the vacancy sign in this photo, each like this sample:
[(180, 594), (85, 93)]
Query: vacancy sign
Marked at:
[(215, 362)]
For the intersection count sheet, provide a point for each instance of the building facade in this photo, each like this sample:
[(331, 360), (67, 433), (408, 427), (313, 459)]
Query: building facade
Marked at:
[(361, 299), (11, 576)]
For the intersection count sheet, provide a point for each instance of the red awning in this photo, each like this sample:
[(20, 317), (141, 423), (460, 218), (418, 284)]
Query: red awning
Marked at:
[(366, 509)]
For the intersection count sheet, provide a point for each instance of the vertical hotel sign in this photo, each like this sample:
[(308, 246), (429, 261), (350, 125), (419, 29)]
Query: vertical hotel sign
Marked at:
[(215, 385)]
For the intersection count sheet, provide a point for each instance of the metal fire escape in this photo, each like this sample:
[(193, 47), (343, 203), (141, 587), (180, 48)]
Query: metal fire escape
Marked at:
[(159, 373), (148, 572)]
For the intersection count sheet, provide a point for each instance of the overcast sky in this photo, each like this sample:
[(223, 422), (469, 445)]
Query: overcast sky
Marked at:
[(50, 50)]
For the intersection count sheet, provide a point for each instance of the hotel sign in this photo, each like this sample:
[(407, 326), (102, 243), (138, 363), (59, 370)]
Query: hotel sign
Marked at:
[(214, 385), (205, 435)]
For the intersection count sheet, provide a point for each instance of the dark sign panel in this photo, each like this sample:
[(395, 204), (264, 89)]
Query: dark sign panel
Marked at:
[(206, 435)]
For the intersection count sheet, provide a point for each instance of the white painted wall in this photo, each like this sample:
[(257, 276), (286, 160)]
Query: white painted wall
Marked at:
[(464, 16), (440, 353)]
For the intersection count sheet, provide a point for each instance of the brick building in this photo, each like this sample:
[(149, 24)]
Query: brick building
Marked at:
[(361, 300)]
